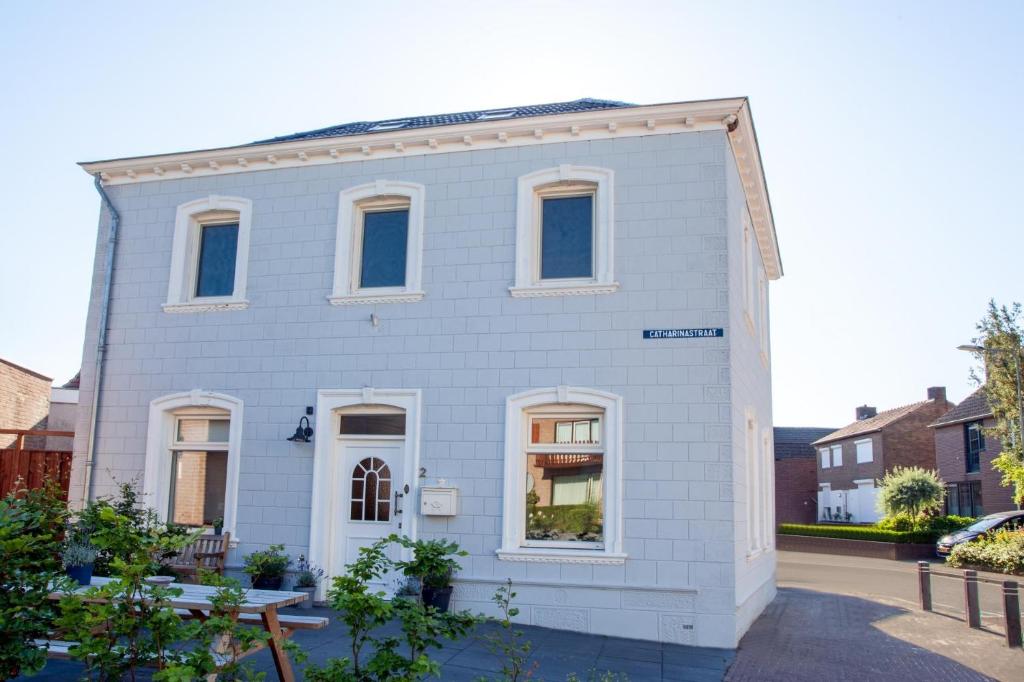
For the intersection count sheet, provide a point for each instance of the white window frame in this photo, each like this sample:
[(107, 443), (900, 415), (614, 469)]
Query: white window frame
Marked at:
[(188, 224), (753, 467), (564, 180), (837, 455), (514, 546), (164, 413), (353, 204), (825, 455), (870, 457), (767, 490), (748, 274), (762, 299)]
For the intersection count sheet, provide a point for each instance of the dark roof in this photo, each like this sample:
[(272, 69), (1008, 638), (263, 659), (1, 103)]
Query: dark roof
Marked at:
[(503, 113), (876, 423), (795, 441), (974, 406), (74, 381)]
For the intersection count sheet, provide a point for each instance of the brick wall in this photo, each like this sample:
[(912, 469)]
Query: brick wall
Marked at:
[(843, 477), (950, 457), (796, 490), (909, 441), (24, 402)]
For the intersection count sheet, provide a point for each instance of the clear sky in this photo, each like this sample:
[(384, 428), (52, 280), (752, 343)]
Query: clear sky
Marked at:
[(888, 132)]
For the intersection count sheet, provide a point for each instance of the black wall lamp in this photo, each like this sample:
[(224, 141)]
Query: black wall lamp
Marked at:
[(303, 433)]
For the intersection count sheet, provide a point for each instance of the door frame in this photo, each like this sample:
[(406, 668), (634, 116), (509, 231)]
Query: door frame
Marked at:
[(323, 531)]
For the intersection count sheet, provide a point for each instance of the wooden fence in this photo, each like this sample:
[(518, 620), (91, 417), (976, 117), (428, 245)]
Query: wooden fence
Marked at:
[(21, 468)]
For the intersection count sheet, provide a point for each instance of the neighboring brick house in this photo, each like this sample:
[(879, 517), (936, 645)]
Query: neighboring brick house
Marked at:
[(433, 287), (24, 402), (852, 459), (964, 457), (796, 474)]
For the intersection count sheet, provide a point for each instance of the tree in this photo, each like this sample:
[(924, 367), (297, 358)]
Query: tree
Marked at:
[(1000, 334), (910, 490)]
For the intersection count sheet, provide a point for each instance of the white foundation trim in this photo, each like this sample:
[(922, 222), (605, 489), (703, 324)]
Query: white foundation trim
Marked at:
[(322, 533), (157, 472)]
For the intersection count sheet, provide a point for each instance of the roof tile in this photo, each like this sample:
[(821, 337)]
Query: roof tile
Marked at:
[(974, 406), (876, 423)]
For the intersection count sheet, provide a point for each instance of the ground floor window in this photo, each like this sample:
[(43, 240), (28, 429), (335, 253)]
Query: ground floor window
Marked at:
[(199, 470), (964, 499), (562, 482)]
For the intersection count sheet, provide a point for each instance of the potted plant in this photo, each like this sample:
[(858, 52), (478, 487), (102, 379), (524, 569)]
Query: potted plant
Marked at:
[(432, 564), (78, 557), (218, 525), (309, 576), (266, 567)]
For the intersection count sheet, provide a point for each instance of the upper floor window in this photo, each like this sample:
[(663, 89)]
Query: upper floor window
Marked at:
[(865, 451), (974, 445), (378, 254), (825, 461), (210, 255), (837, 455), (564, 232)]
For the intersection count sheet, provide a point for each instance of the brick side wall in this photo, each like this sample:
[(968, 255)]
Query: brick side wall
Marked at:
[(24, 403), (909, 442), (843, 477), (950, 457), (796, 489)]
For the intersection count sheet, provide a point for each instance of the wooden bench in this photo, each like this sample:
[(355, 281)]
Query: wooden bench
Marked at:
[(208, 552), (286, 620)]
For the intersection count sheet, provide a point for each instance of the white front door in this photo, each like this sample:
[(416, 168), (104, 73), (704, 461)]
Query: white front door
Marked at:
[(369, 492)]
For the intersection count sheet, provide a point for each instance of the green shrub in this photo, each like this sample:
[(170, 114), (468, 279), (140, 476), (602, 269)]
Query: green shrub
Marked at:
[(872, 533), (31, 523), (1002, 551), (924, 522), (910, 490)]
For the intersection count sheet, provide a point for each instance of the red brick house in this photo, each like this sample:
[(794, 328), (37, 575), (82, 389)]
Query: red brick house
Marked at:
[(964, 457), (853, 458), (796, 474)]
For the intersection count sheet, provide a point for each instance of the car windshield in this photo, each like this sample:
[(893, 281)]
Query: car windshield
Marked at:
[(982, 525)]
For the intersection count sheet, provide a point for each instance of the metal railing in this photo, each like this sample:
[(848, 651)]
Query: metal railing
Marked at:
[(972, 606)]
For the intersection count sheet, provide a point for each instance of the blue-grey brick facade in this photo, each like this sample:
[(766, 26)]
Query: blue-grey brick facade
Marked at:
[(467, 346)]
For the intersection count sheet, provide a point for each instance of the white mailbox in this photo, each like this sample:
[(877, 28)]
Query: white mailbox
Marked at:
[(439, 501)]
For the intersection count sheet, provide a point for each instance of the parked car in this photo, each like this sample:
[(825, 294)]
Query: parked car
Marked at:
[(1010, 520)]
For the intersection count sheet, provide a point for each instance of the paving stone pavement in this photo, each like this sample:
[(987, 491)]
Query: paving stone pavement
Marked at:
[(809, 635)]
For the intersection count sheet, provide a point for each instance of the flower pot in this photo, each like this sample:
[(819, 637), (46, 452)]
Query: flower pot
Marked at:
[(217, 530), (438, 597), (80, 574), (267, 583), (311, 592)]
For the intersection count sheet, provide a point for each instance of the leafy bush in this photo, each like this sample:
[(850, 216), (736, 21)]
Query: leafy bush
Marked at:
[(1001, 551), (924, 522), (433, 561), (910, 490), (31, 523), (365, 611), (871, 533), (271, 562)]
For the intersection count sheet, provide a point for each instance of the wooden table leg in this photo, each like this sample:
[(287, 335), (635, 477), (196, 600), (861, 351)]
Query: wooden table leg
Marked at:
[(281, 662)]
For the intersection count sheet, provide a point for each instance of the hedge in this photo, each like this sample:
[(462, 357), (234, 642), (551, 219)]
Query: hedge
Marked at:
[(859, 533)]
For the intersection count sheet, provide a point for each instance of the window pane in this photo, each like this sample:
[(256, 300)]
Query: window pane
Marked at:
[(215, 274), (373, 424), (567, 239), (385, 238), (564, 499), (198, 482), (555, 431), (203, 430)]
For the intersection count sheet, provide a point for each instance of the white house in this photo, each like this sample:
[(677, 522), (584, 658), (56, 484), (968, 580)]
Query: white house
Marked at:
[(539, 331)]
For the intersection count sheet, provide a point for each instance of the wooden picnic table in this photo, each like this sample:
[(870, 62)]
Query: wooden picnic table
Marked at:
[(260, 607)]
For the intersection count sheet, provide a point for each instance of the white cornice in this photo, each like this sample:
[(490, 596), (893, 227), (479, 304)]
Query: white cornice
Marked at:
[(658, 119)]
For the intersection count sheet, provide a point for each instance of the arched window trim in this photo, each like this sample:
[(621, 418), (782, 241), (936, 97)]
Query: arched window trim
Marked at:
[(531, 188), (514, 509), (157, 476), (187, 225), (347, 255)]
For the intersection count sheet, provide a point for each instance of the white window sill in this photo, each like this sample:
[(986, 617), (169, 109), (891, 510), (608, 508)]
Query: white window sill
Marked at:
[(561, 556), (362, 299), (564, 290), (206, 306)]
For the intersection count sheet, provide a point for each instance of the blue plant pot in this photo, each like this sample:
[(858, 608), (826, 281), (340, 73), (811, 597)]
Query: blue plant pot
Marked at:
[(80, 574)]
